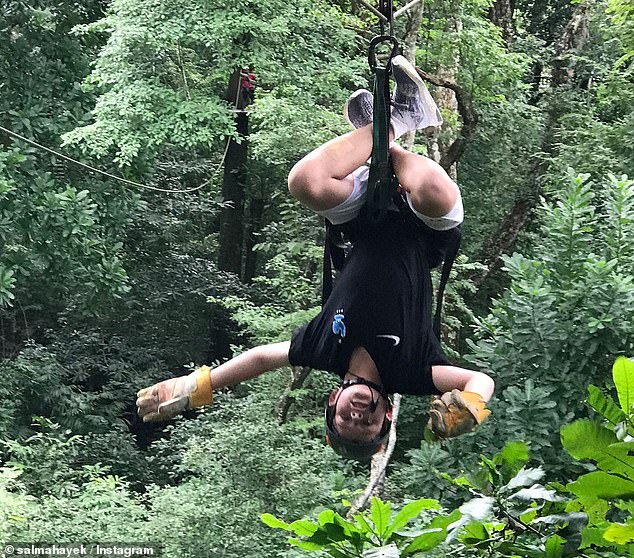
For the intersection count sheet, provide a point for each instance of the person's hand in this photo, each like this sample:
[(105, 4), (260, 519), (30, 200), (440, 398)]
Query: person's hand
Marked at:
[(456, 412), (166, 399)]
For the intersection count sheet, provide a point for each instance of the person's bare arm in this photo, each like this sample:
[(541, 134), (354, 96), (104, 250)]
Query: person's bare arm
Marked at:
[(446, 378), (166, 399), (250, 364)]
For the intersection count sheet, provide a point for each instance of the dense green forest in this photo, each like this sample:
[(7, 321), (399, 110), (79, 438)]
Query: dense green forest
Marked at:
[(108, 286)]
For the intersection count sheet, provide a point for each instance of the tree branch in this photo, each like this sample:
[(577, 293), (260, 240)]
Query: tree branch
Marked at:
[(467, 113), (298, 375), (380, 461)]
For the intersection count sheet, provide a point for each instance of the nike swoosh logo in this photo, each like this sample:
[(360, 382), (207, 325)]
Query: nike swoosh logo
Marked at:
[(394, 338)]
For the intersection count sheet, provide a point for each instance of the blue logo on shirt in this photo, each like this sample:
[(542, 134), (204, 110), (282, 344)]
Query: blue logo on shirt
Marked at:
[(338, 327)]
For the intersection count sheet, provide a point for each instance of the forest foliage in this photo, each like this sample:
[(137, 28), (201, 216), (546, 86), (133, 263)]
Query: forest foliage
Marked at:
[(106, 287)]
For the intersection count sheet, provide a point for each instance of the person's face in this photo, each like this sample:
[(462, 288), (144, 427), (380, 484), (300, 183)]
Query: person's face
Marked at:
[(353, 419)]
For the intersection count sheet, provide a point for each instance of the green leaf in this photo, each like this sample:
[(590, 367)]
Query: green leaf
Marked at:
[(363, 524), (619, 534), (303, 527), (525, 477), (512, 457), (600, 484), (477, 508), (605, 406), (555, 547), (410, 511), (326, 516), (623, 375), (584, 439), (516, 550), (434, 534), (462, 482), (380, 513), (427, 540), (274, 522), (536, 492), (592, 536), (578, 519), (474, 533), (335, 532), (305, 545)]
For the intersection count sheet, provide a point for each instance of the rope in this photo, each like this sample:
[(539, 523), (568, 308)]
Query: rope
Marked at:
[(120, 178)]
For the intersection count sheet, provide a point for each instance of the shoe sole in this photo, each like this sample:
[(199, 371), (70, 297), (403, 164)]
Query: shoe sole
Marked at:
[(350, 99), (404, 65)]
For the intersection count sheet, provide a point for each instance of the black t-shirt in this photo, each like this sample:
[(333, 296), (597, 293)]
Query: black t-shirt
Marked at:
[(381, 301)]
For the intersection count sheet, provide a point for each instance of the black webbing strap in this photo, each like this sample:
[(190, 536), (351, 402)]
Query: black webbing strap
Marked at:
[(382, 182), (334, 256), (452, 248)]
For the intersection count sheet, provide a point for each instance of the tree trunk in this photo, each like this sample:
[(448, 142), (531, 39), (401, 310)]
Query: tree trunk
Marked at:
[(573, 38), (501, 13), (256, 210), (380, 461), (447, 102), (233, 187), (298, 376)]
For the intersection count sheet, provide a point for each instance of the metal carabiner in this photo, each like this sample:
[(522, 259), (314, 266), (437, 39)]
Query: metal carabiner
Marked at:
[(374, 43)]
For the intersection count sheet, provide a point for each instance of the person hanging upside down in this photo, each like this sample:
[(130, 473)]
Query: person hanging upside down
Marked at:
[(375, 329)]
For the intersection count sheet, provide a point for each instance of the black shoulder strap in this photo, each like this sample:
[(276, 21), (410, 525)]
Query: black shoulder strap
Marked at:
[(450, 255), (334, 256)]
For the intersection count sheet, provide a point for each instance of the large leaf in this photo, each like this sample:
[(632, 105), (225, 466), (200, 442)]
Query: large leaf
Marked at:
[(592, 536), (537, 492), (512, 457), (605, 406), (364, 526), (584, 439), (619, 534), (623, 374), (349, 527), (577, 520), (476, 509), (600, 484), (555, 547), (474, 533), (335, 532), (525, 477), (434, 534), (380, 513), (303, 527), (274, 522), (305, 545), (518, 549), (411, 511), (326, 516)]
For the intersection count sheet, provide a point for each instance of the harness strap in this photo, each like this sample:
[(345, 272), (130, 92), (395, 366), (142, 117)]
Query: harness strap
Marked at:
[(382, 182), (334, 256), (450, 256)]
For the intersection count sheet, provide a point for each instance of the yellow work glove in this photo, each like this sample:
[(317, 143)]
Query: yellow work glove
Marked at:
[(456, 412), (166, 399)]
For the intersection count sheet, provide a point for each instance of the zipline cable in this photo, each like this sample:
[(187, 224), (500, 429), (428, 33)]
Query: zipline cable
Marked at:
[(120, 178)]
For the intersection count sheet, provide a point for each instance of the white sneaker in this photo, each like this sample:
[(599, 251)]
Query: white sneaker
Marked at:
[(413, 107), (359, 108)]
